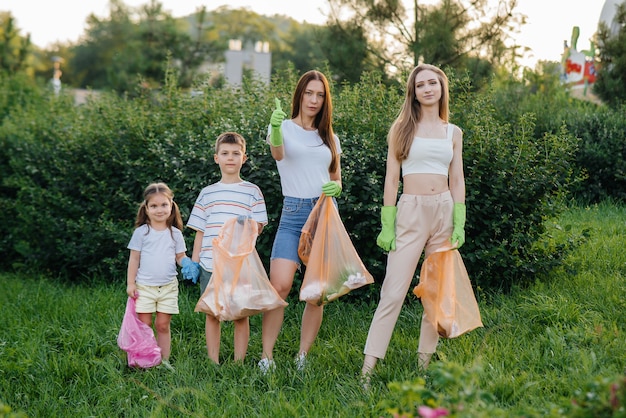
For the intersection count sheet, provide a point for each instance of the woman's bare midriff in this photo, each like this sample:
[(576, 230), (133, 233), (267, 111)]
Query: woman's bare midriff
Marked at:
[(424, 184)]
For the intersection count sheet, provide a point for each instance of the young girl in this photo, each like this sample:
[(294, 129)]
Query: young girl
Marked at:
[(156, 246), (427, 150)]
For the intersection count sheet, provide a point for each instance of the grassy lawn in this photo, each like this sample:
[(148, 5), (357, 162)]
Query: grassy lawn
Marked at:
[(561, 339)]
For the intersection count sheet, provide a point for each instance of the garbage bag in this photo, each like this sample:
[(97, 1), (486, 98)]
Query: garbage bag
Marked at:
[(446, 294), (333, 267), (239, 286), (137, 339)]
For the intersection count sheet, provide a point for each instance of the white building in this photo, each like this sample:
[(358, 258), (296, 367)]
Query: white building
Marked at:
[(257, 58), (608, 14)]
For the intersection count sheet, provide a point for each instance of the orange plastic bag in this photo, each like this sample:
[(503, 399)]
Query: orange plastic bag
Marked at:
[(447, 295), (333, 267), (239, 286), (308, 232)]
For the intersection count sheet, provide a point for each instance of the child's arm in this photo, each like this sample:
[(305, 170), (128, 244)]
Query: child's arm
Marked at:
[(260, 227), (179, 258), (131, 275), (197, 246)]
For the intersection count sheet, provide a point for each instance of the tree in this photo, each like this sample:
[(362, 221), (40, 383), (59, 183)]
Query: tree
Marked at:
[(301, 47), (610, 84), (19, 55), (448, 34), (14, 49), (130, 48), (345, 48)]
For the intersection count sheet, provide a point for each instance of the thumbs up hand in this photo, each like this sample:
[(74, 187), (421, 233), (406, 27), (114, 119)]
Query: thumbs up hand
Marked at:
[(276, 120)]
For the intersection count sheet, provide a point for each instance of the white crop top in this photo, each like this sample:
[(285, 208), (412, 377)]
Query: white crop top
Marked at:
[(429, 155)]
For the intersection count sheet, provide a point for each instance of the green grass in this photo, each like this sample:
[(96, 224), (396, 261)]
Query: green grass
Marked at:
[(561, 339)]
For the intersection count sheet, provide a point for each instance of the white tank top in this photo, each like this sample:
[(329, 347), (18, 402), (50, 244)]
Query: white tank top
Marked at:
[(429, 155)]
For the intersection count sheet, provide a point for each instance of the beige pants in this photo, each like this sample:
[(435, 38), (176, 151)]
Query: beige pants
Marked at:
[(423, 223)]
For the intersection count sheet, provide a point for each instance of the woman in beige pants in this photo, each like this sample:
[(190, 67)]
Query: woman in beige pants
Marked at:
[(427, 150)]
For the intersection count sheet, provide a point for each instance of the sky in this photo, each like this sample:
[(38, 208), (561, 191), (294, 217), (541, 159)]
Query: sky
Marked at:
[(549, 23)]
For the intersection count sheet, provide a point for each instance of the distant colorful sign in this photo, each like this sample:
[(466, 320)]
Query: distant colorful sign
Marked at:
[(578, 67)]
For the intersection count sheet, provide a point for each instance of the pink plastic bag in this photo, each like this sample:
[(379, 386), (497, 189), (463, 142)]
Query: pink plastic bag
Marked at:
[(137, 339)]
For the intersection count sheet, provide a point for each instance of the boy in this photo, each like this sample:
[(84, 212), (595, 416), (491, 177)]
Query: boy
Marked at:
[(216, 203)]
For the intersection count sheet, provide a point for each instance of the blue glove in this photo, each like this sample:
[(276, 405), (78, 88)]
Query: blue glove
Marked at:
[(190, 270)]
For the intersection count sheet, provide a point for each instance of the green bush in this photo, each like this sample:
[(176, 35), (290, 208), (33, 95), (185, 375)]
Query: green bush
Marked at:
[(515, 182), (18, 90), (601, 156), (602, 153), (75, 174)]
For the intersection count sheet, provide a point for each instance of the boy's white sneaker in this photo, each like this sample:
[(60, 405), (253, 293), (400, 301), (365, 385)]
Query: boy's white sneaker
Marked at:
[(301, 362), (267, 365)]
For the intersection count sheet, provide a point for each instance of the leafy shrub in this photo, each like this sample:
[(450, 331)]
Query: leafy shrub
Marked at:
[(602, 153), (18, 90), (7, 412), (515, 182), (453, 391), (601, 397), (601, 156), (74, 175)]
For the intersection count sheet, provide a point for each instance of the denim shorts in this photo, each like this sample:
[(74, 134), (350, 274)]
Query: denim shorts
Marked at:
[(292, 218)]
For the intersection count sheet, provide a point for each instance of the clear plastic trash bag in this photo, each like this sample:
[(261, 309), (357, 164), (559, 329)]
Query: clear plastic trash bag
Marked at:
[(333, 267), (239, 286)]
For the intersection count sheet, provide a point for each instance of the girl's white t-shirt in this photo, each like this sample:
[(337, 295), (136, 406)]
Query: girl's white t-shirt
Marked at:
[(304, 167), (157, 262)]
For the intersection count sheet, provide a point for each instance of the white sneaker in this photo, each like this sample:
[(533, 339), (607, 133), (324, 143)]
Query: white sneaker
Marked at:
[(365, 380), (267, 365), (165, 364), (301, 362)]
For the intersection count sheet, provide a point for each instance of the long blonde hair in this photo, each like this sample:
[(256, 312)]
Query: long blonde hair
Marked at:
[(175, 219), (403, 129), (324, 118)]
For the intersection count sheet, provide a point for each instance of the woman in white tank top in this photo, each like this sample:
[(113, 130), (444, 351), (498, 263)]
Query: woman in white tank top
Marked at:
[(426, 150)]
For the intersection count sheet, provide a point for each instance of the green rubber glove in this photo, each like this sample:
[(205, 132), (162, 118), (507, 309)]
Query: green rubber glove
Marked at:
[(387, 237), (276, 120), (458, 220), (332, 189)]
